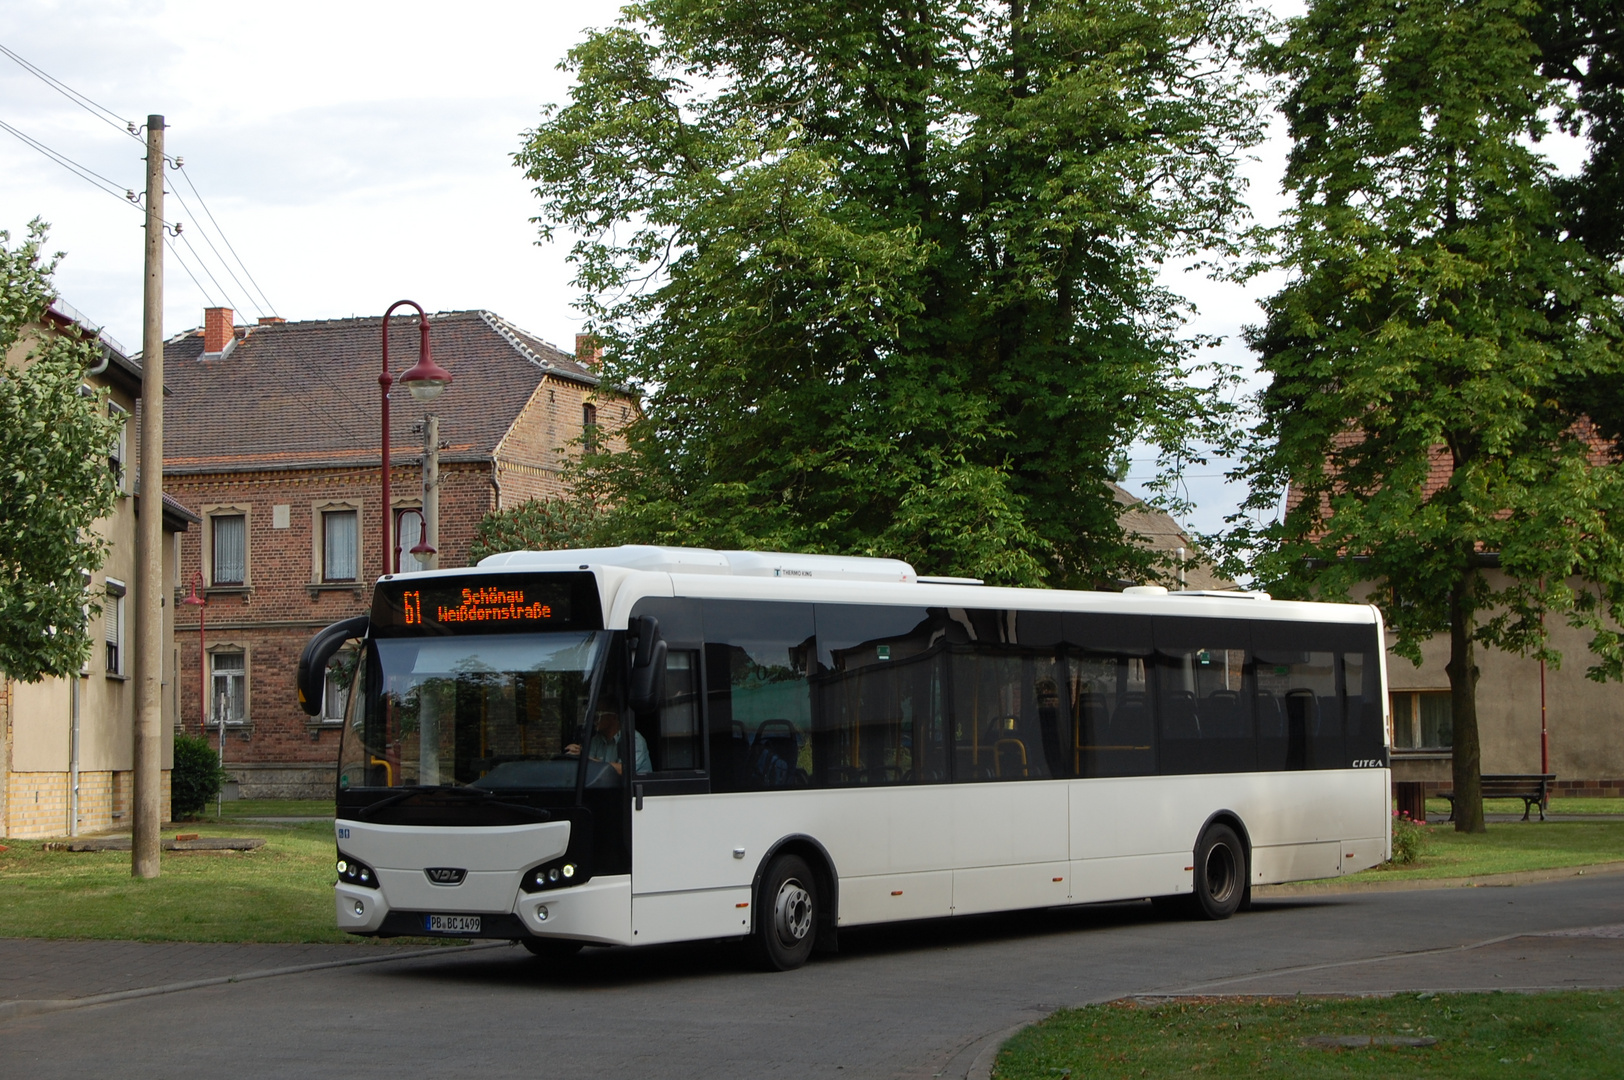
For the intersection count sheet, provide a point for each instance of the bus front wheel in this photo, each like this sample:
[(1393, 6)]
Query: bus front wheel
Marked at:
[(786, 915), (1220, 873)]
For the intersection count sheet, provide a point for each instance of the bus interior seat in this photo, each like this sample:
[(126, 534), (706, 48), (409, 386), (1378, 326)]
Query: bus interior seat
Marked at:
[(1013, 751), (1180, 721), (1130, 724), (1223, 712), (1302, 710), (773, 756), (1271, 722)]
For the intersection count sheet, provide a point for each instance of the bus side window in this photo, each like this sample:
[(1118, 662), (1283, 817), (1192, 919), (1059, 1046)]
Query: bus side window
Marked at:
[(1005, 703), (758, 658), (878, 696), (673, 734)]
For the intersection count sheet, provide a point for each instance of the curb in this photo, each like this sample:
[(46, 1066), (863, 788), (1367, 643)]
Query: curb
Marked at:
[(37, 1006), (1482, 881)]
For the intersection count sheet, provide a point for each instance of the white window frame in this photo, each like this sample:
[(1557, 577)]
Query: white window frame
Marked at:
[(318, 542), (215, 653), (210, 513), (120, 454), (114, 627)]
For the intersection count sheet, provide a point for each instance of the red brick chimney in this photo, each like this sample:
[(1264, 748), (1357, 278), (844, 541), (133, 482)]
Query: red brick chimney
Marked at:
[(588, 351), (217, 329), (271, 320)]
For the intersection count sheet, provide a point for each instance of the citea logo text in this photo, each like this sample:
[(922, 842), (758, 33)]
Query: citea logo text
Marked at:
[(445, 875), (1368, 763)]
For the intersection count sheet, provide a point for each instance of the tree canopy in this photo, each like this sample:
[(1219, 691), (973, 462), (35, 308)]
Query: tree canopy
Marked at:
[(886, 274), (54, 477), (1436, 308)]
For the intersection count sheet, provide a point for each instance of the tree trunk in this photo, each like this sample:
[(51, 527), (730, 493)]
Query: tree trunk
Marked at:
[(1467, 764)]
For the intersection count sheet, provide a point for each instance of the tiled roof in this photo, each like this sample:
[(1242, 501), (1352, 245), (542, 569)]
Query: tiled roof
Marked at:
[(1156, 530), (305, 394)]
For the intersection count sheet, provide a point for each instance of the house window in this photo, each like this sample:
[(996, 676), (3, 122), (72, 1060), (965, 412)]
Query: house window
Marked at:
[(118, 455), (230, 688), (113, 617), (409, 534), (339, 544), (336, 697), (1422, 720), (230, 563), (589, 427)]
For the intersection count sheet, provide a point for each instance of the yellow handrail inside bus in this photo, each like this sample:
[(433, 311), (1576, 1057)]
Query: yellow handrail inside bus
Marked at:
[(388, 770)]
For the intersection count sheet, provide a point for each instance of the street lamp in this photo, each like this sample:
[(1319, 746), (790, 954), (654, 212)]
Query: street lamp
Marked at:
[(426, 380)]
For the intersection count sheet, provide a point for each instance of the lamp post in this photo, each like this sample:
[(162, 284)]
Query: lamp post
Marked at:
[(425, 380), (201, 603)]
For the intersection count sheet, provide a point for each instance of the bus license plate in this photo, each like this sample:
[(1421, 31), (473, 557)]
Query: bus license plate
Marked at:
[(451, 924)]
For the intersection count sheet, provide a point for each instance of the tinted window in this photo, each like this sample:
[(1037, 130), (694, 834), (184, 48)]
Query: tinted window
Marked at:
[(1204, 700), (878, 695), (758, 662)]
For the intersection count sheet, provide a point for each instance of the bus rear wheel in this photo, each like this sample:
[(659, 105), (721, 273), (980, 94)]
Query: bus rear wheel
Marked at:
[(786, 915), (1220, 873), (551, 948)]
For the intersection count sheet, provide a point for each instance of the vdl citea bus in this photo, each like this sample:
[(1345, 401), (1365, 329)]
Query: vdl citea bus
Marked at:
[(633, 745)]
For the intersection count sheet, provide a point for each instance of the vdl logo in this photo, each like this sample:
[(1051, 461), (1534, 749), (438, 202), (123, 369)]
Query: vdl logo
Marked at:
[(445, 875)]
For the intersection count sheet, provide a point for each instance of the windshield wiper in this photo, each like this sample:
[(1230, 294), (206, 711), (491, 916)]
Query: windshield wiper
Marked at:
[(458, 791)]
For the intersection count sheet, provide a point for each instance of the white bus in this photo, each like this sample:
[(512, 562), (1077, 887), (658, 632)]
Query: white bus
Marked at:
[(633, 745)]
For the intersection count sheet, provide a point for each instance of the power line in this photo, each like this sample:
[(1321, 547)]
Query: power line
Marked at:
[(128, 127), (176, 252), (227, 241), (226, 266), (100, 112), (83, 172), (200, 261)]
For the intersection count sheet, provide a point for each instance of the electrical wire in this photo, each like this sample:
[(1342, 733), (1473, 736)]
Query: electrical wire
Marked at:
[(176, 252), (100, 112), (226, 266), (200, 261), (83, 172), (127, 127), (227, 241)]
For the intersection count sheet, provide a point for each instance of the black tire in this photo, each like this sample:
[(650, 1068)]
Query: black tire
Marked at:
[(551, 948), (1220, 873), (787, 912)]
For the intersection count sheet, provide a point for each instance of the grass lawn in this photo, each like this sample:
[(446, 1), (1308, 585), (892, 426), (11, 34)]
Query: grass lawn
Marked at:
[(1558, 806), (281, 892), (1552, 1036), (1509, 846), (272, 808)]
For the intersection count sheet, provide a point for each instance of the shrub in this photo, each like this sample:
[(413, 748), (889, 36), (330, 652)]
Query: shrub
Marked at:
[(1410, 839), (196, 778)]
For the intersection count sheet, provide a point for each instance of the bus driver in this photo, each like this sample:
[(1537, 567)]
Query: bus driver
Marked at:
[(604, 745)]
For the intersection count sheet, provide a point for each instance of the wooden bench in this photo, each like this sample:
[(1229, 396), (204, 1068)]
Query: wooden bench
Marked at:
[(1532, 788)]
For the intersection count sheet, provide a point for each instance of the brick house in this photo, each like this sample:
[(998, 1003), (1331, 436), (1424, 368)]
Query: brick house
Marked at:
[(67, 745), (272, 433)]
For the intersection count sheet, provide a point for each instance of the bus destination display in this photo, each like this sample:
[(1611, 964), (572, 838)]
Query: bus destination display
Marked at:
[(483, 605)]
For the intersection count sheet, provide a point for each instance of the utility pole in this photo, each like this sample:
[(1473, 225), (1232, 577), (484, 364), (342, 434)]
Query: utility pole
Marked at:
[(149, 578), (431, 490)]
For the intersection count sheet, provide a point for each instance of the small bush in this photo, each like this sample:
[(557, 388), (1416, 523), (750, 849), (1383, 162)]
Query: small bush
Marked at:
[(196, 778), (1410, 839)]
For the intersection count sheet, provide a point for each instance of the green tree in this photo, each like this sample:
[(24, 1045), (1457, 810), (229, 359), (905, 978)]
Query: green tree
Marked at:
[(885, 273), (1435, 308), (537, 525), (54, 477)]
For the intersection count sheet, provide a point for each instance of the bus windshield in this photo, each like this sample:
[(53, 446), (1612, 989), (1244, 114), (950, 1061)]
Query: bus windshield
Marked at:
[(490, 711)]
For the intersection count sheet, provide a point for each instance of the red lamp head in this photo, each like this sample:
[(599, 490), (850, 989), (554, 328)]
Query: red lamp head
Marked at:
[(426, 379)]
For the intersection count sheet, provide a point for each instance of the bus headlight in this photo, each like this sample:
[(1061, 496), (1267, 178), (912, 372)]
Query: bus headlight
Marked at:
[(354, 872), (552, 876)]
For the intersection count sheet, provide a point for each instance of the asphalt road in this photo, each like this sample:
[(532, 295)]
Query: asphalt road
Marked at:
[(919, 1000)]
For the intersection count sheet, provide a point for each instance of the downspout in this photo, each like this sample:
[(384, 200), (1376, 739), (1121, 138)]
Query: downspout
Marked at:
[(73, 759)]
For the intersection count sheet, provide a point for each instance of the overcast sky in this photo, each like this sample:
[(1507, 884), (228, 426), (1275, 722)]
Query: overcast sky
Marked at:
[(354, 154)]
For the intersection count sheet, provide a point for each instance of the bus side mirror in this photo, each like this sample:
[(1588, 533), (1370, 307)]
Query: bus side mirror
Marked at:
[(646, 687), (319, 650)]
